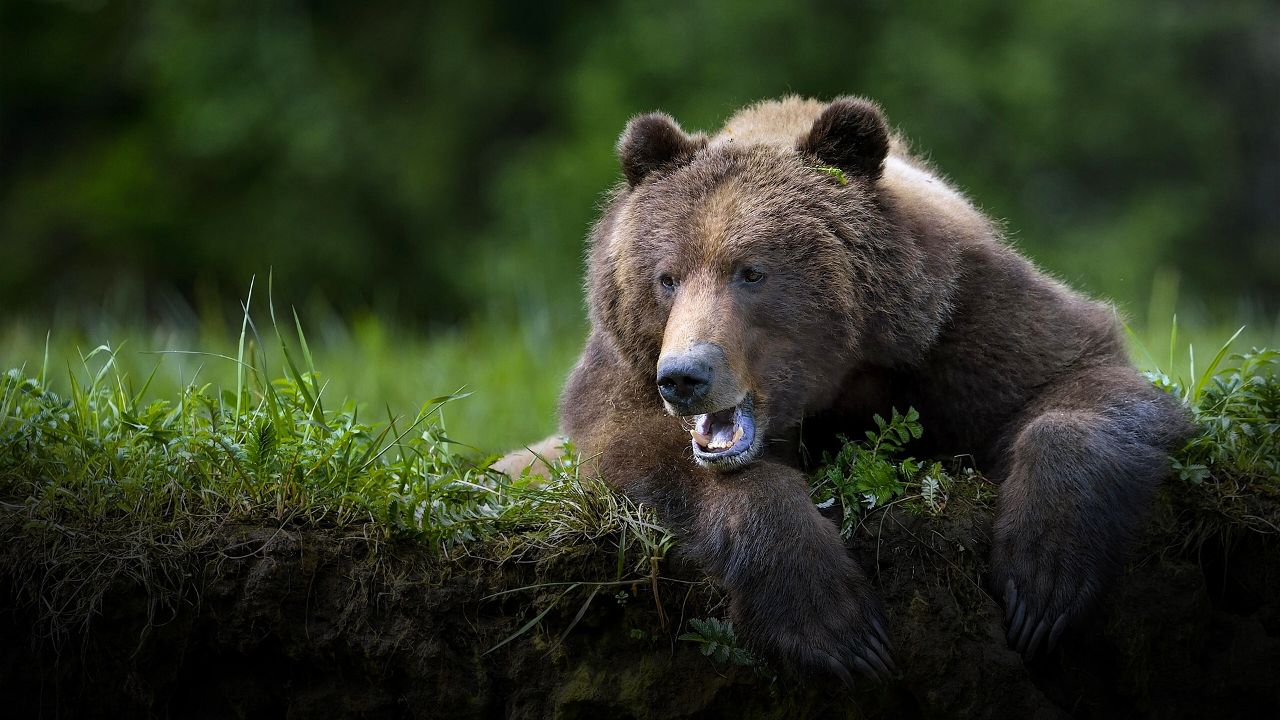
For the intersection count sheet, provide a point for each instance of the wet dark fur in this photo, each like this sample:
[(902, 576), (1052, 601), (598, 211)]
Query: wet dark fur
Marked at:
[(887, 291)]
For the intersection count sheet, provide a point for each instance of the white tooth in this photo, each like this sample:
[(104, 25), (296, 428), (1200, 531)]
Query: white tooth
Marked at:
[(737, 435)]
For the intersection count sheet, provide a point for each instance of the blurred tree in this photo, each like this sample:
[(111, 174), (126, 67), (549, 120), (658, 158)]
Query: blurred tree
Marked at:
[(435, 160)]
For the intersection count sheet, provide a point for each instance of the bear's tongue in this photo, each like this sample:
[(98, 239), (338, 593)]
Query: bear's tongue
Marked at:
[(717, 430)]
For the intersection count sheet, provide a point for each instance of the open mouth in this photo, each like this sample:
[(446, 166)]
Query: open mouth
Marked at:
[(725, 436)]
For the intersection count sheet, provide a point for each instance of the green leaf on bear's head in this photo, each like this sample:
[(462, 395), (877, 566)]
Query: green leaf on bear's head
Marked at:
[(834, 172)]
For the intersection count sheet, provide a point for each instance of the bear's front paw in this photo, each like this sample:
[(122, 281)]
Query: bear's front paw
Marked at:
[(848, 637), (1044, 590), (864, 648)]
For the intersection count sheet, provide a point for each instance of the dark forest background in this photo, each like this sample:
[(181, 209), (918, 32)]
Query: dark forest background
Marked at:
[(437, 165)]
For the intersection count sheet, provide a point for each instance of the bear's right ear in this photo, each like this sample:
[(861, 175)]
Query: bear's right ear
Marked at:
[(652, 142), (850, 134)]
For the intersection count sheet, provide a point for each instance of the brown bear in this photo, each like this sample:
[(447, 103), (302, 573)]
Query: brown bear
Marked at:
[(801, 265)]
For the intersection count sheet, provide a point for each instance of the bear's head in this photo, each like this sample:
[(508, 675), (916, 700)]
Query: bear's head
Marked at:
[(746, 280)]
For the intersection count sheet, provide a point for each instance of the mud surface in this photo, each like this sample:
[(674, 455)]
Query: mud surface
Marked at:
[(302, 624)]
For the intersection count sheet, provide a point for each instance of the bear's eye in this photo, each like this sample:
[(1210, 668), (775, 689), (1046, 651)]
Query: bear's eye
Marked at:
[(667, 281), (752, 276)]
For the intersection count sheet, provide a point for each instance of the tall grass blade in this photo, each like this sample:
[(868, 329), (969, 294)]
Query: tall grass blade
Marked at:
[(244, 328), (311, 363), (137, 397), (1212, 368), (44, 365), (310, 400)]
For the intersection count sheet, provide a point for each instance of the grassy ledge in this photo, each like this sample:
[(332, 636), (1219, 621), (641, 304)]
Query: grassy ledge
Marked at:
[(100, 483)]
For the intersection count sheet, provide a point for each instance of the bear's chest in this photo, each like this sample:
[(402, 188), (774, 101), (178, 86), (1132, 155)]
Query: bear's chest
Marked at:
[(865, 393)]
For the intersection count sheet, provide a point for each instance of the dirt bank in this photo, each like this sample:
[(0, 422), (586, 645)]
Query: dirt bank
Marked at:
[(307, 623)]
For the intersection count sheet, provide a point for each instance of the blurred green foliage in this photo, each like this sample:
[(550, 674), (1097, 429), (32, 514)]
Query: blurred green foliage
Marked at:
[(420, 177), (435, 161)]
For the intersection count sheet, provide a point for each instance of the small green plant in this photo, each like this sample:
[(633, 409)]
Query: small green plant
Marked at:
[(866, 474), (935, 488), (1235, 404), (719, 642), (1231, 462)]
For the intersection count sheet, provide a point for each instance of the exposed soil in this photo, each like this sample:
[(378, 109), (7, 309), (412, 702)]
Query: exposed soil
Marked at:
[(293, 623)]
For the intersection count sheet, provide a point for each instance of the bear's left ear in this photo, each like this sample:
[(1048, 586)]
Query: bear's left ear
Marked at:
[(850, 134), (652, 142)]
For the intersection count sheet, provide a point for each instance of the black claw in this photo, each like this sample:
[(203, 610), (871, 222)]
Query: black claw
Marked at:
[(1056, 633), (879, 648), (1015, 627), (1033, 645), (1026, 632), (837, 668), (879, 657), (878, 641), (893, 664), (878, 626), (1010, 599), (866, 669)]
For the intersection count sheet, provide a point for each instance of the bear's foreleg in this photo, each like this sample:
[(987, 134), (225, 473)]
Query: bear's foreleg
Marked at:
[(1082, 470), (794, 592)]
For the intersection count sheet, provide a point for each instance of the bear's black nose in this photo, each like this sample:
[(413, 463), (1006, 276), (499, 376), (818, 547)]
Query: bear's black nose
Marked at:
[(684, 380)]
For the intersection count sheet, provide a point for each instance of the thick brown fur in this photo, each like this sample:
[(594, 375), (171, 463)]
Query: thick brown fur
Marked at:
[(883, 287)]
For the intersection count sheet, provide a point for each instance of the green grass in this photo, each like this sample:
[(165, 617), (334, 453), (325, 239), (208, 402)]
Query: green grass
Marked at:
[(513, 371), (278, 447)]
